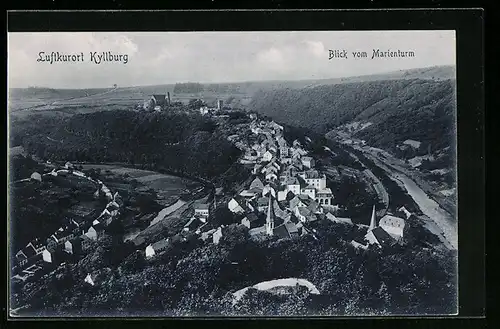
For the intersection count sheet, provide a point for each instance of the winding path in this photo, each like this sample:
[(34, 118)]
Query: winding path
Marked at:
[(266, 285)]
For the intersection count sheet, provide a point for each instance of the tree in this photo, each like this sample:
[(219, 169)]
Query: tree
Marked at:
[(223, 216)]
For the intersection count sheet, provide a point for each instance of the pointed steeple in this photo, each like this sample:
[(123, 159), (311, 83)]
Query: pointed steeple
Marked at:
[(373, 222), (270, 217)]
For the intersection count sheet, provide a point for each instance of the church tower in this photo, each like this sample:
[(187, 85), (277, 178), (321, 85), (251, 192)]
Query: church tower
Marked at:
[(270, 217), (373, 221)]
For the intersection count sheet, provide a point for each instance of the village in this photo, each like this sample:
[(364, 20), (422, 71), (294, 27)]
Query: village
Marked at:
[(286, 193), (71, 239)]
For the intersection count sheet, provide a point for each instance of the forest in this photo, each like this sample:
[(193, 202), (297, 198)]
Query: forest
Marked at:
[(196, 278), (189, 145), (417, 109)]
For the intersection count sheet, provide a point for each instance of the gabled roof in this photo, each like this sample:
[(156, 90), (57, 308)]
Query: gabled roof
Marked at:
[(281, 231), (305, 211), (313, 205), (256, 183), (393, 221), (159, 99), (382, 236), (291, 228)]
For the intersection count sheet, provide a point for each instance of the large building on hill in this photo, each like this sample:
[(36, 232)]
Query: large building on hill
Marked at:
[(158, 101)]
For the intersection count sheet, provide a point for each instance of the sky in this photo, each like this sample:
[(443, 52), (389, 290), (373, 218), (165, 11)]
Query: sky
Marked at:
[(171, 57)]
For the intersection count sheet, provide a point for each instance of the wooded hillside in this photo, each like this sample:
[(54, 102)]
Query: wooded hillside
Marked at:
[(399, 109), (184, 144)]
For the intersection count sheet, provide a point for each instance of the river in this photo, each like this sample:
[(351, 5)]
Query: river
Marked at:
[(431, 209)]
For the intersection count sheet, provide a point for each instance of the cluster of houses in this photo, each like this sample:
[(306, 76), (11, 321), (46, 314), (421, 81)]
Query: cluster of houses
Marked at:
[(196, 224), (75, 237), (389, 230), (286, 192)]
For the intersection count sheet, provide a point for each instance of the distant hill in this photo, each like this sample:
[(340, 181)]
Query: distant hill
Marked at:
[(234, 94), (398, 109)]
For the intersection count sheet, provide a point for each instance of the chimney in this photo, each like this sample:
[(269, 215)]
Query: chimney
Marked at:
[(168, 97)]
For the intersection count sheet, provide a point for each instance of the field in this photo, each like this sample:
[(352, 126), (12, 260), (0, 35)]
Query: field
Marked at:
[(168, 188), (73, 101)]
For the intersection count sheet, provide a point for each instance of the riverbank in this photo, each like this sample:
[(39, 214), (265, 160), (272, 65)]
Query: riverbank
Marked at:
[(444, 224)]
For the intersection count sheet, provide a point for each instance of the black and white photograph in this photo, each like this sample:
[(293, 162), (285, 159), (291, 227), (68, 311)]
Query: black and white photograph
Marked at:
[(232, 173)]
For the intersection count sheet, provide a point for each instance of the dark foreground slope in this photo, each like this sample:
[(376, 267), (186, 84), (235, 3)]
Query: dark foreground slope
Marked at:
[(398, 109)]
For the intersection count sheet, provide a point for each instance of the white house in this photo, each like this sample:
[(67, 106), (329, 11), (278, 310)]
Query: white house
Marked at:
[(235, 207), (293, 185), (202, 210), (405, 211), (88, 279), (309, 191), (268, 156), (47, 256), (393, 225), (150, 252), (156, 247), (68, 165), (324, 196), (92, 233), (314, 178), (68, 247), (217, 235), (282, 195)]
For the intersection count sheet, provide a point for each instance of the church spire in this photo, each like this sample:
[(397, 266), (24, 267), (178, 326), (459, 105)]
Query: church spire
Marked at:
[(373, 222), (270, 217)]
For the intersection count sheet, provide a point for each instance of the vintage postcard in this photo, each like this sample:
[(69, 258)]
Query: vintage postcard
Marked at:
[(271, 173)]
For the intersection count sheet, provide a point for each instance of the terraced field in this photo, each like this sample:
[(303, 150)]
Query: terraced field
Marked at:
[(168, 187)]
